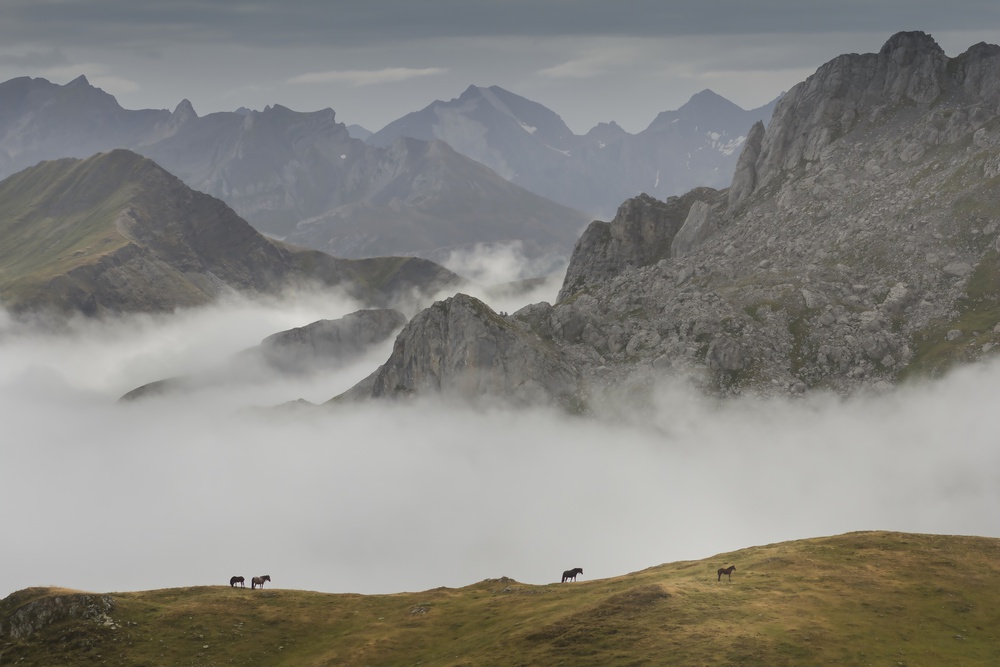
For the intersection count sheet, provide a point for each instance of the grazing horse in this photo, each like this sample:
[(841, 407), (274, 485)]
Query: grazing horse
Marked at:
[(571, 574), (259, 581), (237, 580), (728, 571)]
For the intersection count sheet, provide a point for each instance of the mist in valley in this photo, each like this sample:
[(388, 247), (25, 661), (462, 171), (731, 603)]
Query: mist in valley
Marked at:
[(191, 488)]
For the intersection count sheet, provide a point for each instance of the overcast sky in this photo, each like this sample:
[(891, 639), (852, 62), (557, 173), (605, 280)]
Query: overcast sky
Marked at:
[(373, 61)]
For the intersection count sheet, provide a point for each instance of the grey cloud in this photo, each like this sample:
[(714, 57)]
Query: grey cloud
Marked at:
[(315, 22)]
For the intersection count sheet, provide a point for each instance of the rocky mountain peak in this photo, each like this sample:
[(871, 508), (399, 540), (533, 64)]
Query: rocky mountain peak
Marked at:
[(707, 98), (904, 46), (462, 348), (910, 69)]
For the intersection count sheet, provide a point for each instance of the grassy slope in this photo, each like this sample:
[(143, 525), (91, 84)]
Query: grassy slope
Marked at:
[(860, 598), (42, 238)]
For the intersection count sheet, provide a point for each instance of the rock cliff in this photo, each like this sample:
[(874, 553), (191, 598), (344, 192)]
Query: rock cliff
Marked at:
[(462, 349)]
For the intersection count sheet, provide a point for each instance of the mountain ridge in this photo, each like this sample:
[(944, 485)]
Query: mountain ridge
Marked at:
[(117, 232), (277, 168)]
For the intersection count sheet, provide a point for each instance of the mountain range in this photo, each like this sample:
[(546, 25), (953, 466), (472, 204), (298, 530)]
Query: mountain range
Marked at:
[(530, 145), (296, 176), (858, 245), (305, 178)]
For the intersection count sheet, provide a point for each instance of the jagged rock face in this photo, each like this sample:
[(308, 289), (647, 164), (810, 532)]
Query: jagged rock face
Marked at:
[(745, 177), (640, 234), (910, 69), (858, 243), (461, 348), (700, 224)]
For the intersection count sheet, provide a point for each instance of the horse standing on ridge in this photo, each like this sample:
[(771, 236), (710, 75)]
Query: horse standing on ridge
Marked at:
[(259, 581), (728, 571), (571, 574), (237, 580)]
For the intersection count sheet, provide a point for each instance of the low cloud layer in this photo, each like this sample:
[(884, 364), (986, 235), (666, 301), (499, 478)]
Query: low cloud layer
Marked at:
[(191, 489)]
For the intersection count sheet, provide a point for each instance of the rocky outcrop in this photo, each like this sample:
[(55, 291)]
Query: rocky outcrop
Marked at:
[(29, 611), (460, 348), (640, 234), (700, 225)]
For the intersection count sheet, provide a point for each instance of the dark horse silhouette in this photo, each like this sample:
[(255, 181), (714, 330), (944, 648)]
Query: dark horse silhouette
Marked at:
[(259, 581), (571, 574), (237, 580), (728, 571)]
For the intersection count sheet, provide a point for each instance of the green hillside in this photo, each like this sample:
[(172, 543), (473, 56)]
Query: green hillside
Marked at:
[(60, 215), (856, 599)]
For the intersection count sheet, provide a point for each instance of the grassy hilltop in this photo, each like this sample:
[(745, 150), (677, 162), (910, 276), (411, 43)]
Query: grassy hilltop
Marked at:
[(871, 598)]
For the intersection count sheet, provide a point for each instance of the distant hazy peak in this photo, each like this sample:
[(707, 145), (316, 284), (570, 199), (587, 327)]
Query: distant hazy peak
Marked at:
[(705, 109), (279, 112), (359, 131), (470, 92), (709, 98), (79, 81), (183, 111)]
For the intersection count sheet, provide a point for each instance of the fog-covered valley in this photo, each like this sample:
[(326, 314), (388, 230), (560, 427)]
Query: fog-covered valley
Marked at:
[(192, 488)]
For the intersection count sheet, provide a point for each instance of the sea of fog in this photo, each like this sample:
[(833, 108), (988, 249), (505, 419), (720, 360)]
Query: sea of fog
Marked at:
[(181, 490)]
